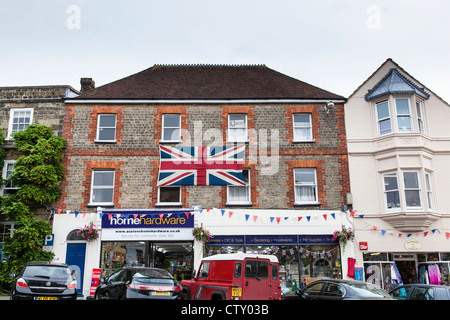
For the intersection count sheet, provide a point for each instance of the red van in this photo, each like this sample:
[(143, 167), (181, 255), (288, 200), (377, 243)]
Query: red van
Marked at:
[(239, 276)]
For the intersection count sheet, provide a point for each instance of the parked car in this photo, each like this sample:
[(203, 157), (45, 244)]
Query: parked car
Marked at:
[(421, 292), (138, 283), (44, 281), (239, 276), (337, 289)]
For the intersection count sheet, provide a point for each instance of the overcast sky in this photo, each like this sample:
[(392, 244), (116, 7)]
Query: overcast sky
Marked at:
[(335, 45)]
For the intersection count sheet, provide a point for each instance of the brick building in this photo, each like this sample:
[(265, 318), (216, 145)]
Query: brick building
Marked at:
[(295, 170)]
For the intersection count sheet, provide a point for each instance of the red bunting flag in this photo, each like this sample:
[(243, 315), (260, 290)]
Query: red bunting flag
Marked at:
[(187, 214), (352, 213), (84, 214), (375, 228), (254, 218), (278, 219), (299, 218), (230, 214), (325, 217), (425, 233), (447, 235), (59, 211)]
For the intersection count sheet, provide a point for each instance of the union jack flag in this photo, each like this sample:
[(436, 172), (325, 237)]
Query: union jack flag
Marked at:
[(201, 166)]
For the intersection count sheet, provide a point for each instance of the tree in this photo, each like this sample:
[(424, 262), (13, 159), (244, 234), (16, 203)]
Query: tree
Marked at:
[(38, 173)]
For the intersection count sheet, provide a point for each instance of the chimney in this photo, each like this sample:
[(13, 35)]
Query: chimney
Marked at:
[(87, 84)]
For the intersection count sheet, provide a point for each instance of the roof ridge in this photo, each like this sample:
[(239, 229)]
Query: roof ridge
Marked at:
[(208, 65)]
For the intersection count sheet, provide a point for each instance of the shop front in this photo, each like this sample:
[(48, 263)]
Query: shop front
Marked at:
[(151, 238), (302, 258)]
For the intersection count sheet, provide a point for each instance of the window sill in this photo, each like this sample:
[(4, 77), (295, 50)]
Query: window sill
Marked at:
[(168, 204), (303, 141), (241, 204), (105, 141), (238, 141), (170, 141), (101, 204), (307, 204)]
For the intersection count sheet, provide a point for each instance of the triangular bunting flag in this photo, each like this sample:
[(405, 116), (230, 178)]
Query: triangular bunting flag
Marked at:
[(325, 217), (352, 213), (447, 235), (361, 216), (222, 211), (299, 218), (187, 214), (409, 235), (383, 232), (375, 228), (271, 219), (59, 211), (278, 219), (425, 233), (333, 215), (246, 217), (308, 217), (254, 218), (230, 214), (76, 213)]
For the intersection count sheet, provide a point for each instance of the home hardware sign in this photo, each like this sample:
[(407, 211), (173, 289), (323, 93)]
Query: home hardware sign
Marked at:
[(147, 225)]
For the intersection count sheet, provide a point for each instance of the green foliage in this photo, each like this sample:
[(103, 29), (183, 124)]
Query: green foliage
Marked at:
[(38, 173)]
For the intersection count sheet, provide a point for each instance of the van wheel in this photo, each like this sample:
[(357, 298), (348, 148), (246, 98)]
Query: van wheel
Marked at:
[(218, 295)]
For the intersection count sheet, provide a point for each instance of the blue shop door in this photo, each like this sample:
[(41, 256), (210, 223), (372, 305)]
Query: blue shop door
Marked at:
[(75, 258)]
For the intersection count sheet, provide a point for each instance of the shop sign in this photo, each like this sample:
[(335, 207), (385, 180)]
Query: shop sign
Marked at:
[(316, 239), (226, 240), (273, 240), (147, 225), (363, 245), (413, 245)]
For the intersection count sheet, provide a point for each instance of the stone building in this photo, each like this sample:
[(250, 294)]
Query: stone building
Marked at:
[(22, 106), (295, 171)]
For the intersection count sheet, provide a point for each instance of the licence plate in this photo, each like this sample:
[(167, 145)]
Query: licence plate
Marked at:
[(236, 292), (160, 293), (45, 298)]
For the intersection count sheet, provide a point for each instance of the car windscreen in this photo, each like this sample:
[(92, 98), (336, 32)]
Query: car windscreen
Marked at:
[(368, 290), (46, 271)]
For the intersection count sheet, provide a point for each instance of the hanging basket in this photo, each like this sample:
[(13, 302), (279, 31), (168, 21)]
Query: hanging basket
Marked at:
[(89, 233)]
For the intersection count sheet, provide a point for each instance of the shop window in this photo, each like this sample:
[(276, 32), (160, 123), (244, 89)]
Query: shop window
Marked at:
[(102, 187), (237, 128), (240, 195), (19, 120), (302, 127), (305, 184), (106, 128), (171, 128), (169, 196)]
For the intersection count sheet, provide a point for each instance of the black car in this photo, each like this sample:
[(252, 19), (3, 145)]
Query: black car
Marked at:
[(421, 292), (139, 283), (336, 289), (44, 281)]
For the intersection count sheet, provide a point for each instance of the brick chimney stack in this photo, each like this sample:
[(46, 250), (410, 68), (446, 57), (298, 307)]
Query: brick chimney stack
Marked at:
[(87, 84)]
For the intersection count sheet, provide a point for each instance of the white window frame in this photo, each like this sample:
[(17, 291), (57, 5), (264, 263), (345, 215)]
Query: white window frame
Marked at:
[(306, 184), (233, 201), (231, 128), (165, 127), (12, 117), (305, 127), (99, 128), (403, 115), (416, 189), (386, 204), (5, 176), (429, 191), (172, 203), (379, 120), (92, 200), (419, 111)]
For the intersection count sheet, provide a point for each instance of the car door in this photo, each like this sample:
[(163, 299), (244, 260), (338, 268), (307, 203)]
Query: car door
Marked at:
[(332, 291), (115, 285), (313, 291)]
